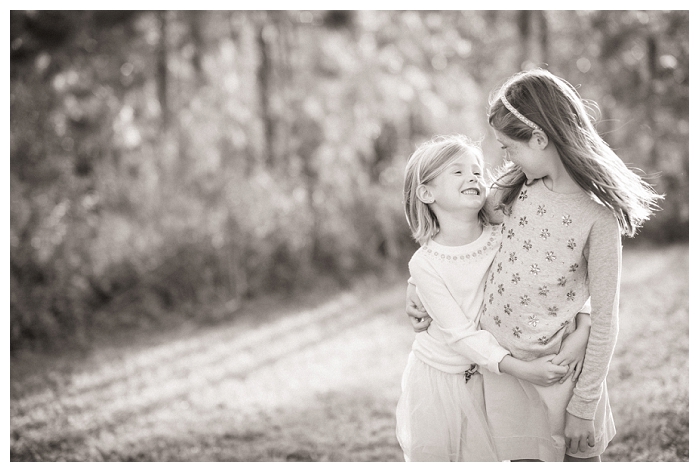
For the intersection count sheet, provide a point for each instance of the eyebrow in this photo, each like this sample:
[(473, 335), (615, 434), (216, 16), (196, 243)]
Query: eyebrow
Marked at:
[(460, 165)]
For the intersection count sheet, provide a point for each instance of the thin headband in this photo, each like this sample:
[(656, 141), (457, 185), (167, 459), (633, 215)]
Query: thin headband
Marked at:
[(514, 111)]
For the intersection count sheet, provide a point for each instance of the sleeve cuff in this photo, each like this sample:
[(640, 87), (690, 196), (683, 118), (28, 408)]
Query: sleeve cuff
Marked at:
[(494, 364), (582, 408)]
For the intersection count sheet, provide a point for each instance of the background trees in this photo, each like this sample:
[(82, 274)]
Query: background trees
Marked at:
[(162, 161)]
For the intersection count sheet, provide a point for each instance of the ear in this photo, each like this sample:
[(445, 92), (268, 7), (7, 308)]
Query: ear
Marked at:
[(424, 194), (539, 140)]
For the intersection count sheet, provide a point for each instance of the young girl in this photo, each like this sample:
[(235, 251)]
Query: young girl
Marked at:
[(566, 198), (440, 414)]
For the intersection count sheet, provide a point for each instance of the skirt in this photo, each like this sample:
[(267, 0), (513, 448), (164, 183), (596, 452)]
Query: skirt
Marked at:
[(440, 417), (527, 421)]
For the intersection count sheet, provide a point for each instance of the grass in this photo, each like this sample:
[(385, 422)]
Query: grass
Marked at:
[(649, 374), (318, 380)]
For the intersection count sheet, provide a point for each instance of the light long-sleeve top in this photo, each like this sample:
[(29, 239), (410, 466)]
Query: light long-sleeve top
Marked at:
[(557, 249), (450, 282)]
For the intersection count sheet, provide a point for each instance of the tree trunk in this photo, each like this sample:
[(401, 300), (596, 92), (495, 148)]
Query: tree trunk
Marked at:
[(524, 27), (264, 88), (286, 42), (650, 102), (543, 37), (243, 32), (533, 38), (161, 71), (195, 21)]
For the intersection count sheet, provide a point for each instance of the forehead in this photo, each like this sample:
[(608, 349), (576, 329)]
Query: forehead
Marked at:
[(469, 158)]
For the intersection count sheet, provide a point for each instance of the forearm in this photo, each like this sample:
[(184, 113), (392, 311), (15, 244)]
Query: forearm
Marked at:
[(478, 346), (604, 270), (600, 348), (514, 367), (523, 370)]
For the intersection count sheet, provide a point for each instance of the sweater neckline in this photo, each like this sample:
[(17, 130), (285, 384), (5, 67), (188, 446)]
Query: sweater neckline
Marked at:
[(486, 236), (550, 194)]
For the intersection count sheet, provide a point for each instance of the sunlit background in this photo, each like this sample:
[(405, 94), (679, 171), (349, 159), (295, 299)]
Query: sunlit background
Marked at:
[(207, 245)]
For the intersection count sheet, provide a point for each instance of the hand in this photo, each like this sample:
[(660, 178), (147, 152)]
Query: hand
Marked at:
[(416, 312), (572, 353), (493, 197), (579, 434), (538, 371), (544, 372)]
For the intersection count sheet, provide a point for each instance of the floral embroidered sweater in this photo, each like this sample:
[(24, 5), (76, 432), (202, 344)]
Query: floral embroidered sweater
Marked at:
[(449, 282), (557, 249)]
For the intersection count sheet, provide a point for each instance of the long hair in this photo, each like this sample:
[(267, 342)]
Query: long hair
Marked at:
[(427, 162), (556, 106)]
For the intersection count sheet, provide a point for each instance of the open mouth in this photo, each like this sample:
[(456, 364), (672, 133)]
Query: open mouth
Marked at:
[(471, 191)]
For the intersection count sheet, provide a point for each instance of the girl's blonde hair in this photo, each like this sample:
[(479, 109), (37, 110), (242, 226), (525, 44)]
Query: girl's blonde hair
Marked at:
[(427, 162), (556, 107)]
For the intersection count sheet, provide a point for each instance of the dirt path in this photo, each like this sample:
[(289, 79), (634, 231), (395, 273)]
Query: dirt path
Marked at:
[(316, 384), (320, 381)]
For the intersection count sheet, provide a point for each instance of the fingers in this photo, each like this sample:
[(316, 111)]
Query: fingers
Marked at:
[(420, 324), (581, 444), (584, 445), (554, 371), (413, 311), (571, 369), (415, 321), (563, 358), (575, 371), (590, 441), (417, 311), (572, 444), (576, 375)]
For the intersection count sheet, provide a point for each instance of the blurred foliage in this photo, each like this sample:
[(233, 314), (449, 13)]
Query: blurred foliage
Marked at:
[(161, 160)]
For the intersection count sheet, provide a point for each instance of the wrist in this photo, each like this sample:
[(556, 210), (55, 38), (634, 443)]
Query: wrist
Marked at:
[(510, 365), (572, 418), (582, 328), (505, 364)]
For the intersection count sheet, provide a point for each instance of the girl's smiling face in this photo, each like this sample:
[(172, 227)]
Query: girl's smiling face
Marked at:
[(460, 185)]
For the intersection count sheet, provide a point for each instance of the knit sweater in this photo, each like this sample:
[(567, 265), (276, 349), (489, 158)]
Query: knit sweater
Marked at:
[(449, 282), (556, 250)]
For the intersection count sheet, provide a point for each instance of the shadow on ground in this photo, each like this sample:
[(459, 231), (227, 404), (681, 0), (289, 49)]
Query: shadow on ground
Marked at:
[(247, 390)]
